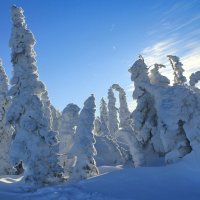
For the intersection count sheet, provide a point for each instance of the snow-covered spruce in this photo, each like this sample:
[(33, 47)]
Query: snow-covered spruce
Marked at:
[(84, 141), (144, 117), (156, 78), (143, 114), (175, 116), (124, 114), (6, 130), (67, 128), (34, 143), (124, 123), (112, 113), (104, 117), (170, 103), (178, 70), (194, 78)]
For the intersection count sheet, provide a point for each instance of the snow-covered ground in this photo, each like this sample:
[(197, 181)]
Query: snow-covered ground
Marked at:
[(178, 181)]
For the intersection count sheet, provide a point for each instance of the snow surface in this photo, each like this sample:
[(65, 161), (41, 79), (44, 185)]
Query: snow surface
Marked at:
[(178, 181)]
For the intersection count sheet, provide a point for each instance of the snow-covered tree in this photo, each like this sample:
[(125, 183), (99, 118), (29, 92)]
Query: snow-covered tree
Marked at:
[(97, 126), (172, 105), (83, 148), (178, 70), (144, 113), (156, 78), (112, 113), (67, 128), (55, 114), (124, 114), (34, 143), (6, 130), (194, 78), (144, 116), (104, 117), (175, 107)]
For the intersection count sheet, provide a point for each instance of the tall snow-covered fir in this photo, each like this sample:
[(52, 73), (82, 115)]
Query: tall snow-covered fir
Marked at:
[(124, 114), (67, 128), (84, 141), (104, 117), (113, 123), (6, 130), (145, 115), (35, 144)]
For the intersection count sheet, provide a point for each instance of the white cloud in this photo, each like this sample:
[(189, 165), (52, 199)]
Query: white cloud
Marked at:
[(157, 52), (176, 36)]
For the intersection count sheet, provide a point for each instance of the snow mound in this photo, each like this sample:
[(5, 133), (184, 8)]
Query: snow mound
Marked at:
[(174, 182)]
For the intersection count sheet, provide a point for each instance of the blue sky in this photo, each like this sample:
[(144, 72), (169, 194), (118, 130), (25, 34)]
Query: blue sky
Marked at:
[(84, 46)]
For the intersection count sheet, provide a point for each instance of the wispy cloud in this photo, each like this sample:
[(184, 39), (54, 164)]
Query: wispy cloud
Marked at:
[(178, 34), (158, 51), (190, 58)]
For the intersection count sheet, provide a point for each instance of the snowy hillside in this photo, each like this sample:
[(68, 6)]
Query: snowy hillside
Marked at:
[(174, 182)]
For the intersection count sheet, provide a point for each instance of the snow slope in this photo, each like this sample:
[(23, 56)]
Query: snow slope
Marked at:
[(178, 181)]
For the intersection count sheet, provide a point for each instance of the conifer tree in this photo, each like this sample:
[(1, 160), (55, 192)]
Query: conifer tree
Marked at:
[(67, 128), (35, 144), (144, 116), (104, 117), (112, 113), (84, 141), (124, 114), (6, 130)]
